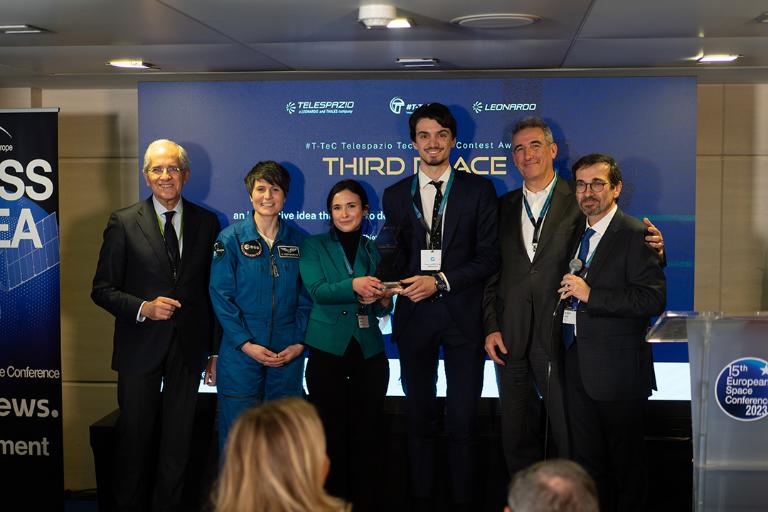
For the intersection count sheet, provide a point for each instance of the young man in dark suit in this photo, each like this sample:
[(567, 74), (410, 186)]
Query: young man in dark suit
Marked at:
[(608, 365), (446, 225), (152, 275)]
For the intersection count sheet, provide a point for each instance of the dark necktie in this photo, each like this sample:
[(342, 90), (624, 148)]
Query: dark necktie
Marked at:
[(171, 243), (568, 329), (435, 231)]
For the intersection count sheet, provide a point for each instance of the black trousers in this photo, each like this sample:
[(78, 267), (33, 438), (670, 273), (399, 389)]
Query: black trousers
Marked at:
[(529, 388), (349, 393), (419, 343), (607, 438), (153, 435)]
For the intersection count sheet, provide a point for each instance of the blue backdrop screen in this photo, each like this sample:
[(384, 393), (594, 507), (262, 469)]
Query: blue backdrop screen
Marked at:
[(323, 131)]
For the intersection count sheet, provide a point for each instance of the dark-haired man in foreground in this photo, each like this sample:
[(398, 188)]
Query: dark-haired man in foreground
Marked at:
[(446, 225), (608, 365)]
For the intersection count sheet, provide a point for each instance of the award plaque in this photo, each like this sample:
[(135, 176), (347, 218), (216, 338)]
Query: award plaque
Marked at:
[(389, 249)]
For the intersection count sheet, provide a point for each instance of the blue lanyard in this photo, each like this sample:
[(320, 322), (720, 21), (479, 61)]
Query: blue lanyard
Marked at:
[(350, 269), (419, 216), (537, 222)]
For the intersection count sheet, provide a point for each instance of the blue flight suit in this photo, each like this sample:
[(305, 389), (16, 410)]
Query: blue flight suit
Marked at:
[(258, 296)]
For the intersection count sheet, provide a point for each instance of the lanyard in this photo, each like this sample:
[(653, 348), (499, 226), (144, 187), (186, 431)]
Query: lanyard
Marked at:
[(350, 269), (419, 216), (537, 222)]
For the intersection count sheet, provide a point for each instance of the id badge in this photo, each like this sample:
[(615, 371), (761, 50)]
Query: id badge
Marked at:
[(431, 259), (569, 316), (362, 321)]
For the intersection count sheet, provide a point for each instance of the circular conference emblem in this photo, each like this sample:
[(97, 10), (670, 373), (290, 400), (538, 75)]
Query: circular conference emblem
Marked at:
[(742, 389)]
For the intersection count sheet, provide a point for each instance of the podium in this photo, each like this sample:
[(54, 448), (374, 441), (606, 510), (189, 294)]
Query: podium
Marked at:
[(728, 357)]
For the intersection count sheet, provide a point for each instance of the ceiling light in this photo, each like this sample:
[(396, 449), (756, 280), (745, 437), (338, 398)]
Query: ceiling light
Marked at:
[(130, 64), (718, 57), (763, 18), (400, 23), (417, 62), (21, 29), (376, 15), (495, 20)]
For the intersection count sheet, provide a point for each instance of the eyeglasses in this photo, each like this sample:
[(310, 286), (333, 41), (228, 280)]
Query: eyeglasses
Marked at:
[(596, 186), (158, 171)]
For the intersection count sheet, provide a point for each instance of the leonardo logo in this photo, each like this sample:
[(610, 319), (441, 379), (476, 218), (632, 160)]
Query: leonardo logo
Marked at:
[(480, 106), (290, 107)]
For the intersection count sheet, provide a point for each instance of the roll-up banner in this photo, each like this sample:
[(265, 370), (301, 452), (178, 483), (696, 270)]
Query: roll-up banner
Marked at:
[(31, 457)]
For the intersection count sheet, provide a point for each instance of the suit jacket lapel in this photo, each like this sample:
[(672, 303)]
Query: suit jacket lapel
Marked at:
[(419, 230), (452, 209), (336, 253), (554, 215), (148, 224), (604, 247), (513, 224)]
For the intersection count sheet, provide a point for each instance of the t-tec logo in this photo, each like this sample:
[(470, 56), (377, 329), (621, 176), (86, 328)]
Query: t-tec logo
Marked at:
[(396, 105), (26, 408)]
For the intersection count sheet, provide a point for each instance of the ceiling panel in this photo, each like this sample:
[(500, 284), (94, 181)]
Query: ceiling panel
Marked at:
[(102, 22), (668, 52), (381, 55), (169, 58), (336, 20), (634, 19)]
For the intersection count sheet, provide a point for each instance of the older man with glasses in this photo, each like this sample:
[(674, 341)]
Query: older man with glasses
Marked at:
[(152, 275)]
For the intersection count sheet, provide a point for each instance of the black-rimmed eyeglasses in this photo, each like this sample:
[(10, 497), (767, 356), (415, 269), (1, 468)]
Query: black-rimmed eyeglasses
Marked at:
[(596, 186)]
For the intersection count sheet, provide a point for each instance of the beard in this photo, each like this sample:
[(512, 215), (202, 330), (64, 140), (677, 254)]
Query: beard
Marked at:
[(591, 207)]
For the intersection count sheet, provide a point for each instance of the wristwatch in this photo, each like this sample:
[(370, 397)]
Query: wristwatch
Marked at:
[(440, 283)]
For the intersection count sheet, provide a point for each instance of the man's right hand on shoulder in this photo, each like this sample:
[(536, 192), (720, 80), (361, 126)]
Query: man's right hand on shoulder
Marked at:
[(162, 308), (492, 342)]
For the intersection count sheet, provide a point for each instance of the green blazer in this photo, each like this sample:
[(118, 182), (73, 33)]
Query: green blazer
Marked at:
[(333, 320)]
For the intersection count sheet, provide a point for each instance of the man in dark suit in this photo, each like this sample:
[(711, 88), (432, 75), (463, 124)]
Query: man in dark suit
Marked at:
[(152, 275), (446, 225), (608, 364), (537, 226)]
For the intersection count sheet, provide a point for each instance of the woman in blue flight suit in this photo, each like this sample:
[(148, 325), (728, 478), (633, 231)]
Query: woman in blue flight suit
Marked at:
[(260, 301), (347, 371)]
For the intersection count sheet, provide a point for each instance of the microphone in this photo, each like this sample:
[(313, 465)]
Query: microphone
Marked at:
[(573, 266)]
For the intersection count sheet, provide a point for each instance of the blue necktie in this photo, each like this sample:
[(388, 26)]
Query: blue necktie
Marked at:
[(568, 330)]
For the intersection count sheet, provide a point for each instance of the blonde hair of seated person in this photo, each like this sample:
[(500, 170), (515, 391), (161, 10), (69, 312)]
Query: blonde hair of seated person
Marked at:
[(275, 461)]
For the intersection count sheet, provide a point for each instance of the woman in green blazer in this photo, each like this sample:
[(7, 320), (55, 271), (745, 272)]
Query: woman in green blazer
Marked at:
[(347, 372)]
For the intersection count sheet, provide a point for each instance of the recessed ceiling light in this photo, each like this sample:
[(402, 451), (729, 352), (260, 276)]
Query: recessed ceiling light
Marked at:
[(21, 29), (400, 23), (130, 64), (417, 62), (495, 20), (718, 57)]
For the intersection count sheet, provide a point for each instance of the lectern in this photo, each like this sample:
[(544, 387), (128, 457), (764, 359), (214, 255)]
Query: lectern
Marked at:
[(728, 357)]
